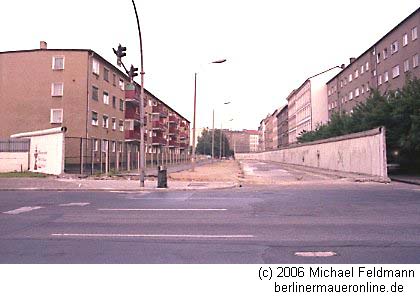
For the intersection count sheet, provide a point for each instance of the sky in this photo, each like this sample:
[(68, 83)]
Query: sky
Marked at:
[(270, 46)]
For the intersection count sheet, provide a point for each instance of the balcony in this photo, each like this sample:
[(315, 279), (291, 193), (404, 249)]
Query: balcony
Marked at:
[(183, 135), (134, 135), (173, 130), (173, 144), (160, 109), (132, 113), (183, 145), (173, 119), (158, 125), (158, 140)]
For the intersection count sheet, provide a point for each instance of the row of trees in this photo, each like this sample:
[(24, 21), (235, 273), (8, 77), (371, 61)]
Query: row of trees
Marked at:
[(398, 111), (204, 144)]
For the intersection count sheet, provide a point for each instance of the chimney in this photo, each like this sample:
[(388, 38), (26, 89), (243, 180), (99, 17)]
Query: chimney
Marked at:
[(352, 59), (43, 45)]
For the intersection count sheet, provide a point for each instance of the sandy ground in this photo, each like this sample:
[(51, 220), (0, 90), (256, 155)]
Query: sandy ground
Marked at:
[(219, 171)]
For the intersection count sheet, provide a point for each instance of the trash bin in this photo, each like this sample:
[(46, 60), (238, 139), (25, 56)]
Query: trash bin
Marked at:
[(162, 177)]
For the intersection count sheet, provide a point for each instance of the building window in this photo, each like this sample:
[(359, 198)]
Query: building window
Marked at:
[(357, 92), (363, 88), (95, 93), (378, 57), (351, 95), (367, 66), (57, 89), (106, 98), (114, 146), (341, 83), (394, 47), (367, 87), (405, 39), (114, 101), (95, 145), (114, 124), (105, 121), (386, 76), (58, 63), (415, 60), (406, 65), (362, 69), (385, 53), (104, 146), (114, 79), (106, 74), (350, 77), (95, 67), (396, 71), (374, 73), (94, 118), (121, 104), (379, 79), (121, 84), (414, 33), (121, 125), (356, 73), (56, 116)]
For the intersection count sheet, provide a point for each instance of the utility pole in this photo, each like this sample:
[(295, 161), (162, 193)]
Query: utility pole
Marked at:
[(212, 140)]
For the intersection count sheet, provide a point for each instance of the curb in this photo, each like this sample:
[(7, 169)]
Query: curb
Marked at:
[(405, 181)]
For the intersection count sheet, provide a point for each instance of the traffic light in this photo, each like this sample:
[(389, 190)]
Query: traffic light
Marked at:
[(120, 53), (132, 72)]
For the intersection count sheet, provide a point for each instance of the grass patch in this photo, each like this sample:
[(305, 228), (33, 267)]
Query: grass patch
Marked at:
[(22, 175)]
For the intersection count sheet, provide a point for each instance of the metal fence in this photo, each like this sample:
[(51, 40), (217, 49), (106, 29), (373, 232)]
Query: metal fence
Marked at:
[(15, 145), (96, 156)]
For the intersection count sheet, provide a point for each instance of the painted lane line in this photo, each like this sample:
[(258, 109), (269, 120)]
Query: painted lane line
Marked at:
[(75, 204), (22, 210), (316, 254), (162, 209), (192, 236)]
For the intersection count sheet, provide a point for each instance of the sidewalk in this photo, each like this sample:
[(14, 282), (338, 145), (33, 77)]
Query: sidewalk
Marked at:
[(200, 179), (406, 179)]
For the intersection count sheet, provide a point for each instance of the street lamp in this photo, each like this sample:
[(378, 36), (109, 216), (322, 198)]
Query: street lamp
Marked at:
[(221, 133), (195, 108)]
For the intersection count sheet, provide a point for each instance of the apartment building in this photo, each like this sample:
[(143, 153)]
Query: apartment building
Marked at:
[(270, 132), (261, 136), (308, 104), (253, 140), (384, 66), (77, 88), (282, 126)]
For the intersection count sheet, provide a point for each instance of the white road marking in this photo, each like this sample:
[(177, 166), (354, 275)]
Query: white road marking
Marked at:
[(75, 204), (22, 210), (162, 209), (192, 236), (316, 254)]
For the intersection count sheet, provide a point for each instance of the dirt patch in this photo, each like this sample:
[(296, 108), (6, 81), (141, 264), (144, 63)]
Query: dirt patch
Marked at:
[(217, 171)]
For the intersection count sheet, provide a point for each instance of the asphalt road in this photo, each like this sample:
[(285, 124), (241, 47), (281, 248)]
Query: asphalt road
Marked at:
[(359, 222)]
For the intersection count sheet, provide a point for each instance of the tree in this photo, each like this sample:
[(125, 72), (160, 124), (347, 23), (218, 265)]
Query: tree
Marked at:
[(204, 144)]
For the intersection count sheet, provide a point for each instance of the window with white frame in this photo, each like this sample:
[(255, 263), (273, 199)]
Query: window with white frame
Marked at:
[(350, 77), (363, 89), (351, 95), (114, 146), (105, 120), (379, 79), (414, 33), (386, 78), (106, 98), (121, 125), (95, 67), (114, 124), (362, 69), (405, 39), (378, 57), (367, 66), (341, 83), (394, 47), (415, 61), (104, 145), (356, 73), (396, 71), (106, 74), (406, 65), (385, 53), (94, 118), (95, 145), (121, 84), (357, 92), (58, 62), (367, 87), (374, 73), (57, 89), (56, 116), (95, 93)]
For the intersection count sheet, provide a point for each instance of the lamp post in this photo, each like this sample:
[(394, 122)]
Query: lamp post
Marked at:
[(220, 61), (212, 136), (142, 156)]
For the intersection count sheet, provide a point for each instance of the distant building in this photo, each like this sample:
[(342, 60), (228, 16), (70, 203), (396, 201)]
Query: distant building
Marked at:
[(384, 66), (253, 140), (282, 126)]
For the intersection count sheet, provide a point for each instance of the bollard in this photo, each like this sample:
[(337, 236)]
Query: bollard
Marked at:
[(162, 177)]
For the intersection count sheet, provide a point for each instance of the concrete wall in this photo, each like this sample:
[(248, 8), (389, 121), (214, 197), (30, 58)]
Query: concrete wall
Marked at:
[(362, 153), (14, 161)]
